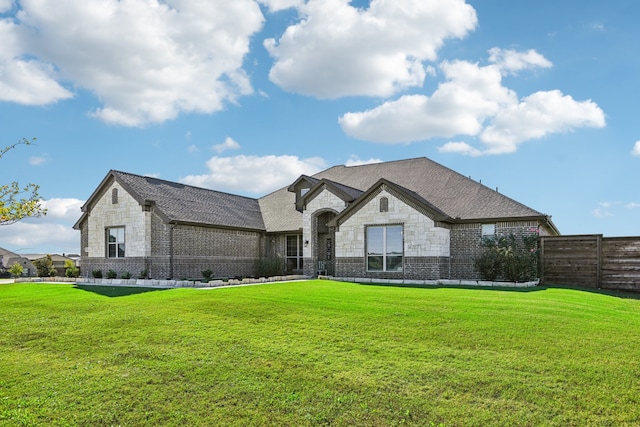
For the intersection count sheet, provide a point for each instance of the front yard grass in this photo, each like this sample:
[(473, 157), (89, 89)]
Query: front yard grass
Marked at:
[(317, 353)]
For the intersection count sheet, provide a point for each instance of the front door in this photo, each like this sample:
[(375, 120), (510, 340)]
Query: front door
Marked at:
[(325, 247)]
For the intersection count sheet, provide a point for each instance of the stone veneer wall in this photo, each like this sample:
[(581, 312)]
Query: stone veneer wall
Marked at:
[(326, 201), (426, 245), (126, 212)]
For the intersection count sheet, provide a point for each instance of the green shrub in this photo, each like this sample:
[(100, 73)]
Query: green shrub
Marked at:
[(207, 274), (143, 274), (44, 267), (97, 274), (268, 267), (111, 274), (509, 259), (70, 269), (126, 275), (16, 270)]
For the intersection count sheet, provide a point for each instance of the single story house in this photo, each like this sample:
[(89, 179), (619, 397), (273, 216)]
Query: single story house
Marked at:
[(406, 219), (57, 260), (8, 258)]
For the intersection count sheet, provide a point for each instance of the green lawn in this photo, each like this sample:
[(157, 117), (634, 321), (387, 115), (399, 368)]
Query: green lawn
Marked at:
[(317, 353)]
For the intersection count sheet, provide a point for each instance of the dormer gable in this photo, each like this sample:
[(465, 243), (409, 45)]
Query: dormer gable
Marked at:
[(304, 193), (407, 196), (301, 187)]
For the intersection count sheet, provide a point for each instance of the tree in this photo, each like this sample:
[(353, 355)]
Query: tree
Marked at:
[(16, 270), (18, 202), (70, 269), (45, 267)]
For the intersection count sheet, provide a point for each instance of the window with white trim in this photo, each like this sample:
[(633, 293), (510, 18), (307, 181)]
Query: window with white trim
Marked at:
[(115, 242), (488, 231), (385, 248)]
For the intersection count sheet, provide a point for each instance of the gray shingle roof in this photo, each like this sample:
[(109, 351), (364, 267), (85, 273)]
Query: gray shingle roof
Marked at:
[(187, 204), (452, 193)]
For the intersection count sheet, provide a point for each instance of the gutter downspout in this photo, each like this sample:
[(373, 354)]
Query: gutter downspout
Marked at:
[(171, 228)]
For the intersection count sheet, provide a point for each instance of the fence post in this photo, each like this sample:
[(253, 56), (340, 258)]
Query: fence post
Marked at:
[(599, 261), (541, 260)]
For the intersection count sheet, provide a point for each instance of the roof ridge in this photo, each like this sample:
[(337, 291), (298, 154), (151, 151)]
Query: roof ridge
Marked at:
[(183, 184)]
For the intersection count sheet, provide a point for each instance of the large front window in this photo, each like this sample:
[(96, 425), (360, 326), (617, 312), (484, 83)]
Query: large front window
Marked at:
[(384, 248), (294, 253), (115, 242)]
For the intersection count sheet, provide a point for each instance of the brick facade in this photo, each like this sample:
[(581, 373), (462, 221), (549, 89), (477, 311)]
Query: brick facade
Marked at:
[(164, 251), (466, 242), (333, 227)]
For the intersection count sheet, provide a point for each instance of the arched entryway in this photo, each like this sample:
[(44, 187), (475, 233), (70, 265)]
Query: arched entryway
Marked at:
[(324, 243)]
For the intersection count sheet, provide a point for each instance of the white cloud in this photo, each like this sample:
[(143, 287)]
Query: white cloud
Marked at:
[(512, 61), (276, 5), (52, 233), (636, 149), (472, 101), (460, 148), (356, 161), (459, 106), (253, 174), (38, 160), (192, 148), (632, 205), (63, 209), (536, 116), (601, 213), (34, 236), (146, 60), (228, 144), (25, 81), (5, 5), (338, 50)]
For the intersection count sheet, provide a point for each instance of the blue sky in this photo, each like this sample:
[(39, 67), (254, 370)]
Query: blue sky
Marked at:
[(243, 96)]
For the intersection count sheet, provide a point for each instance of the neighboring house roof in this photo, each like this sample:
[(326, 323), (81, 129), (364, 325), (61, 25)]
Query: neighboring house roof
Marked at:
[(54, 257), (8, 258), (180, 203)]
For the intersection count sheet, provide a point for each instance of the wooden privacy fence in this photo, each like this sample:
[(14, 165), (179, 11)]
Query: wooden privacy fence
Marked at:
[(591, 261)]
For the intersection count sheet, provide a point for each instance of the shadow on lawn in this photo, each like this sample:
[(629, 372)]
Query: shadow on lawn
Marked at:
[(116, 291), (609, 292)]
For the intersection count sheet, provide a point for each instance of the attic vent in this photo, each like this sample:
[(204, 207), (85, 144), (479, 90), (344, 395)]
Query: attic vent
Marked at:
[(384, 204), (114, 196)]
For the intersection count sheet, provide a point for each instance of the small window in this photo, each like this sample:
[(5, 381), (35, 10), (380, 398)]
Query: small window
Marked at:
[(303, 191), (384, 204), (488, 231), (115, 242), (114, 196)]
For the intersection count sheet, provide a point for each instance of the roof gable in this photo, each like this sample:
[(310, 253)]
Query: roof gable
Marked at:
[(407, 196), (344, 192), (181, 203), (455, 195)]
